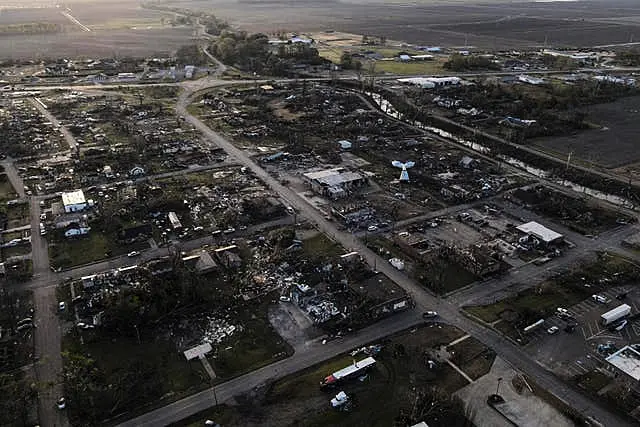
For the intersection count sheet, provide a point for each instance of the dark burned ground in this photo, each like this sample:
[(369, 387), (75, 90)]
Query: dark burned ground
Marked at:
[(484, 25), (612, 147)]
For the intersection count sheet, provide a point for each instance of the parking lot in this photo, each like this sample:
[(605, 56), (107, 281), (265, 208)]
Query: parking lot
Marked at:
[(571, 354)]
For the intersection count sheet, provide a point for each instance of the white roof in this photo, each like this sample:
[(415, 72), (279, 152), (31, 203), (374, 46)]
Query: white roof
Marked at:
[(333, 177), (197, 351), (323, 173), (539, 231), (73, 198), (364, 363), (627, 359), (430, 82)]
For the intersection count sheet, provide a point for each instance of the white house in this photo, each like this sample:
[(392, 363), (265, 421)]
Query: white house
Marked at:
[(74, 201)]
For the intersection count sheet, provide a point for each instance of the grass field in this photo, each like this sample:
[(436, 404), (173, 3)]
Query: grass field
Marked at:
[(257, 345), (409, 68), (142, 374), (93, 247), (320, 246), (382, 398), (565, 291)]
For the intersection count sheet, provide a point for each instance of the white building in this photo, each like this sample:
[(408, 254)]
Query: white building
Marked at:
[(540, 232), (431, 82), (627, 359), (74, 201)]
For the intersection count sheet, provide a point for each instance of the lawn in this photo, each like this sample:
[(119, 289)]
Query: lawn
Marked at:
[(563, 291), (18, 215), (439, 275), (592, 381), (15, 251), (7, 192), (96, 246), (400, 371), (472, 357), (126, 376), (320, 246), (257, 345), (386, 396), (409, 68)]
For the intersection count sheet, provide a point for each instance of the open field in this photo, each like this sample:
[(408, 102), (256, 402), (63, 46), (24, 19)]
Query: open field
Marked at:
[(99, 13), (96, 43), (498, 24), (26, 16), (612, 146), (121, 27)]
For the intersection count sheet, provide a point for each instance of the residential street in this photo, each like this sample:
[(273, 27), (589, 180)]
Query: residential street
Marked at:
[(48, 334), (424, 300), (68, 137)]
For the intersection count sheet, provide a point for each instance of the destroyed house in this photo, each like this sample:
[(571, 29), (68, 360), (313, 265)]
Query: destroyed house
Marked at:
[(228, 256), (335, 183), (134, 232)]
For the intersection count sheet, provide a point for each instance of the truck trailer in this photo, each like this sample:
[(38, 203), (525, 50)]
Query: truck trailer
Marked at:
[(616, 314), (357, 368)]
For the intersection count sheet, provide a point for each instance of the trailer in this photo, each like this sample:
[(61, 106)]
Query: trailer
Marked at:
[(350, 371), (533, 326), (616, 314)]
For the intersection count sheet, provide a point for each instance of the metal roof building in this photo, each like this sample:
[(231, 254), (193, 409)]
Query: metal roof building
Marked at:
[(540, 232), (74, 201)]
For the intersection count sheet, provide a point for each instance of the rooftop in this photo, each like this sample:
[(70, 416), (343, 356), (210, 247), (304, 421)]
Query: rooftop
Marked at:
[(333, 177), (73, 198), (627, 359), (539, 231)]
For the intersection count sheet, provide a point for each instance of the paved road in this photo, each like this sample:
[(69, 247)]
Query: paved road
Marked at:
[(47, 334), (14, 178), (313, 354), (449, 312), (45, 283), (68, 137)]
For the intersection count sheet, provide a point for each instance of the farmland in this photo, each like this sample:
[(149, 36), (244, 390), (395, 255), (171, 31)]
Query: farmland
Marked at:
[(610, 146), (122, 27), (509, 25)]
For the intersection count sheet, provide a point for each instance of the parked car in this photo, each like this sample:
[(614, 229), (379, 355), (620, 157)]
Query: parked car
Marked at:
[(62, 305), (372, 228), (621, 296), (429, 314), (552, 330), (600, 299), (61, 403)]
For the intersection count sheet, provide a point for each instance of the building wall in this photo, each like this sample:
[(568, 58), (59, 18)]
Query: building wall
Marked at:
[(75, 208)]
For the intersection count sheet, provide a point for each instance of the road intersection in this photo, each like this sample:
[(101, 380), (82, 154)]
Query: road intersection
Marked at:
[(44, 283)]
